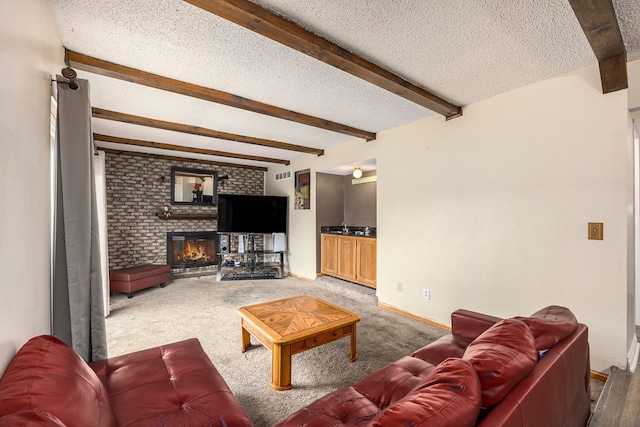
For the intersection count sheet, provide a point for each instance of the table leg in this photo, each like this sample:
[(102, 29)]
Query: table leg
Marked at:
[(353, 355), (246, 339), (281, 367)]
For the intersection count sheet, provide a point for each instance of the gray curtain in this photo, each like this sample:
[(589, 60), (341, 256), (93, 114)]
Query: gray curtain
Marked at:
[(78, 311)]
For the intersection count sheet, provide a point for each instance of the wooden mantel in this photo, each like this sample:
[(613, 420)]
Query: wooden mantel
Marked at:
[(186, 216)]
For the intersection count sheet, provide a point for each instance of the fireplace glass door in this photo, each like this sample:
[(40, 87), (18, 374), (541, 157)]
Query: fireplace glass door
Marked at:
[(192, 249)]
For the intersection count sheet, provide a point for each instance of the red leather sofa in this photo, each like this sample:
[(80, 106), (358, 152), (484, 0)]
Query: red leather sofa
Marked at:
[(48, 384), (525, 371)]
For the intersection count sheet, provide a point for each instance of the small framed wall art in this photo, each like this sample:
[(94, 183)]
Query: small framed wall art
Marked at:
[(303, 189)]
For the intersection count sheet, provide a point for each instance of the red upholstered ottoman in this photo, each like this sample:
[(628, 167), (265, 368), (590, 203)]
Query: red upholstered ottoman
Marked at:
[(132, 279)]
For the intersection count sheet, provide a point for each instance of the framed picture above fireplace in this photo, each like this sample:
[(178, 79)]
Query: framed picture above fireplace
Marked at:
[(193, 186)]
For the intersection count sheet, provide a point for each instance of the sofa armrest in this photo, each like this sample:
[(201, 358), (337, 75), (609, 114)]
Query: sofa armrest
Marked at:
[(470, 324), (557, 391), (46, 383)]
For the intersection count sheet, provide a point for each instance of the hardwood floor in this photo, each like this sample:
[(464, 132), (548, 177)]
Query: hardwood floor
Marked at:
[(619, 403)]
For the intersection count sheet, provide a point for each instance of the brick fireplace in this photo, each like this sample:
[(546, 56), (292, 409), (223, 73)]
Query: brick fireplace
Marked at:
[(137, 189)]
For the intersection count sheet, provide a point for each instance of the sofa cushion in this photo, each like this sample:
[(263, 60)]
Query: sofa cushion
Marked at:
[(550, 325), (392, 382), (502, 356), (344, 407), (172, 384), (47, 376), (441, 349), (30, 419), (449, 396)]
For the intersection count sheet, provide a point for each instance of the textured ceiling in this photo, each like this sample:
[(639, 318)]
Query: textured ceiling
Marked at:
[(628, 12), (462, 51)]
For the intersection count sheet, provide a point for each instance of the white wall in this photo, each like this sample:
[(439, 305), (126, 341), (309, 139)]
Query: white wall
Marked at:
[(30, 53), (635, 117), (633, 73), (490, 210)]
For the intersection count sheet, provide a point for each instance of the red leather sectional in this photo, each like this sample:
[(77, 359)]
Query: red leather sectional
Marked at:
[(488, 372)]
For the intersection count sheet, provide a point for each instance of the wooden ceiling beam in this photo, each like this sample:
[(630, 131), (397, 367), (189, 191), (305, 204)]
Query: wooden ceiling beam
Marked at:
[(600, 25), (105, 68), (100, 113), (180, 159), (182, 148), (257, 19)]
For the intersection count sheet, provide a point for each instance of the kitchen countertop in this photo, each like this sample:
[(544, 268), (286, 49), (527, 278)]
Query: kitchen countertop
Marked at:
[(352, 231)]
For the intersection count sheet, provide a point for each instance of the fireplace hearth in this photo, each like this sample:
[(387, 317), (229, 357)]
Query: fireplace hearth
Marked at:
[(192, 249)]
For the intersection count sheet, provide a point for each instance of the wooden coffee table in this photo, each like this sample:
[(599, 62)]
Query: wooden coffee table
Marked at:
[(292, 325)]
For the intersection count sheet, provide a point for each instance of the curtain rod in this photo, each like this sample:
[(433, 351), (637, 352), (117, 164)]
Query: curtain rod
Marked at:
[(71, 75)]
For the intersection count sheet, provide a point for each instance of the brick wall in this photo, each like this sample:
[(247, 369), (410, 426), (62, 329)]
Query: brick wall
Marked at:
[(137, 189)]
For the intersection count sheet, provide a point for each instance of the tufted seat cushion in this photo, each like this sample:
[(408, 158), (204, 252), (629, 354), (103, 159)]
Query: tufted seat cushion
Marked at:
[(173, 384), (449, 396), (31, 419), (391, 383), (444, 347), (344, 407), (502, 356)]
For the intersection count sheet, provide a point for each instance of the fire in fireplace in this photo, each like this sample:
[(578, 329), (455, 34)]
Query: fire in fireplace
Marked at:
[(192, 249)]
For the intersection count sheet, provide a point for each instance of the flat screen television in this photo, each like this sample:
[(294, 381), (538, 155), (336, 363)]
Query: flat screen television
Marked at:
[(252, 214)]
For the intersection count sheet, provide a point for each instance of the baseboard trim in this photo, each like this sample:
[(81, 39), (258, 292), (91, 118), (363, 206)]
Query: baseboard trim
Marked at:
[(633, 354), (295, 276), (415, 317), (600, 376)]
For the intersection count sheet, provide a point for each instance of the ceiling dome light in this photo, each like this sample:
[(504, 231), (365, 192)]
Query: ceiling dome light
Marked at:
[(357, 173)]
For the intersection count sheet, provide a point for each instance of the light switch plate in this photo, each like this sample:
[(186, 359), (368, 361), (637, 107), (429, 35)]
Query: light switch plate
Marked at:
[(595, 231)]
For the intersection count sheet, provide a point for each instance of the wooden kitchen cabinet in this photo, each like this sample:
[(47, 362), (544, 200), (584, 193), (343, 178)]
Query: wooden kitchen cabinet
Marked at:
[(329, 254), (351, 258), (366, 262), (347, 258)]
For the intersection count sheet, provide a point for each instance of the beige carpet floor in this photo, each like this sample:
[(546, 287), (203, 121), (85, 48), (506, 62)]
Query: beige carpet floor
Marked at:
[(203, 308)]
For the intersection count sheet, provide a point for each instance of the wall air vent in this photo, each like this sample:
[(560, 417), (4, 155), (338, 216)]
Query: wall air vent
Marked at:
[(283, 175)]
